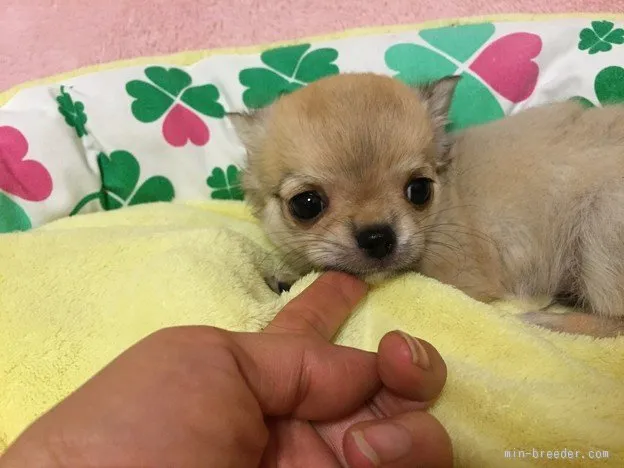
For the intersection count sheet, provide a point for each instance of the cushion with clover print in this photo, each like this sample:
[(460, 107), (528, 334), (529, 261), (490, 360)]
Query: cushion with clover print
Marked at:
[(155, 131)]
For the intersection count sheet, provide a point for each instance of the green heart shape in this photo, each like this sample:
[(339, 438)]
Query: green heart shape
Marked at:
[(586, 103), (154, 189), (473, 103), (609, 85), (150, 102), (615, 37), (316, 65), (588, 39), (290, 68), (225, 185), (263, 86), (173, 81), (284, 59), (600, 47), (602, 28), (459, 42), (13, 218), (120, 173), (204, 99), (417, 64)]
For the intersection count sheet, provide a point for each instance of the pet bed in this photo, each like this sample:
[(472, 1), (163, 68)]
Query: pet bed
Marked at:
[(75, 293), (154, 129)]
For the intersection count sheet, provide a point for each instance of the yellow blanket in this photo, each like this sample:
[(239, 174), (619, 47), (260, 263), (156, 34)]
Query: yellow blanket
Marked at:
[(77, 292)]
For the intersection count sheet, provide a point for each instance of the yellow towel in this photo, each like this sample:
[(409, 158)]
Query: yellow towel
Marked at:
[(77, 292)]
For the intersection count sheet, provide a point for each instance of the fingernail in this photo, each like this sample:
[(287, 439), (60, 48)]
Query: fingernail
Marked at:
[(383, 443), (420, 357)]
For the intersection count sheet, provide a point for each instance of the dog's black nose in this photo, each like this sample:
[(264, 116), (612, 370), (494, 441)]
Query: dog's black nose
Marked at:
[(376, 241)]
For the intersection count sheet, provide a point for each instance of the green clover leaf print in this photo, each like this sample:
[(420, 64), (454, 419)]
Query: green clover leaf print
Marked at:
[(608, 86), (169, 92), (13, 218), (225, 185), (120, 177), (505, 65), (287, 69), (73, 112), (586, 103), (600, 37)]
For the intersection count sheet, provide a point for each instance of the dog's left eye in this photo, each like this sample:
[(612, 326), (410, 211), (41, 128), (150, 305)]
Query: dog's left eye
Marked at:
[(418, 191), (306, 206)]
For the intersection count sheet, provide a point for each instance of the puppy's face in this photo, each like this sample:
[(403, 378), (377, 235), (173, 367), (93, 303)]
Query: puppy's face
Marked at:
[(344, 173)]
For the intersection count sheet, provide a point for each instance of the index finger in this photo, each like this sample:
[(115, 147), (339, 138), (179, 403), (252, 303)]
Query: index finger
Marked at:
[(322, 307)]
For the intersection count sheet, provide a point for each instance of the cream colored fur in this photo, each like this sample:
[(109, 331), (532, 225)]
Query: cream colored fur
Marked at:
[(529, 206)]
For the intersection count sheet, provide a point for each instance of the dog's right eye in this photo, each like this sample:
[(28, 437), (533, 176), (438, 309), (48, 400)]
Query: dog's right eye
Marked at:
[(306, 206)]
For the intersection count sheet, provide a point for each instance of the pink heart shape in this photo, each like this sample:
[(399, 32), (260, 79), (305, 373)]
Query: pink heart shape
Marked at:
[(182, 125), (507, 65), (29, 180)]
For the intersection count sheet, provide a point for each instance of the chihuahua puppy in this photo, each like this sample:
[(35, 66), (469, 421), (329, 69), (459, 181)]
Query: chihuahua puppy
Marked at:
[(357, 173)]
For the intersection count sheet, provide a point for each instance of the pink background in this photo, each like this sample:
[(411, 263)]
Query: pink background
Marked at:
[(43, 37)]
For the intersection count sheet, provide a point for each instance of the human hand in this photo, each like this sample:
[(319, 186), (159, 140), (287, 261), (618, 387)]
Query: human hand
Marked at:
[(201, 396)]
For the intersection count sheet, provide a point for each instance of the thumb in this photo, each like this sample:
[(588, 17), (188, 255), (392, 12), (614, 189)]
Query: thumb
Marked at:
[(403, 441)]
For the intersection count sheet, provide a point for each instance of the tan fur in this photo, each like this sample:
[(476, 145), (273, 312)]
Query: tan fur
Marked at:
[(531, 205), (355, 138)]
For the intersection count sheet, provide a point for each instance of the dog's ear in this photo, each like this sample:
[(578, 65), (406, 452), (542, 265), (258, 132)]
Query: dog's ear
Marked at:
[(250, 127), (438, 96)]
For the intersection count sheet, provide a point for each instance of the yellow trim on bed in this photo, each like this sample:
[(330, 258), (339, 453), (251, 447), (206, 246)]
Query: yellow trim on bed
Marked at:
[(189, 57)]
